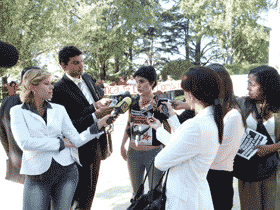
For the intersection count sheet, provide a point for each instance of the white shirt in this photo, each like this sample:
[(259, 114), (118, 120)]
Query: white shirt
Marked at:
[(269, 125), (85, 90), (131, 82), (233, 131), (188, 153), (39, 141)]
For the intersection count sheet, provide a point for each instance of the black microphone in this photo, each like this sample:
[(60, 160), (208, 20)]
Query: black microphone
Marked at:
[(148, 111), (159, 98), (8, 55), (120, 108), (119, 97)]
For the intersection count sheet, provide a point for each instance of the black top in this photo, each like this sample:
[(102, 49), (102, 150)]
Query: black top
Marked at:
[(29, 107), (160, 116)]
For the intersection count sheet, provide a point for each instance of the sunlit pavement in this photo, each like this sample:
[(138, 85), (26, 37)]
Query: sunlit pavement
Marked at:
[(113, 188)]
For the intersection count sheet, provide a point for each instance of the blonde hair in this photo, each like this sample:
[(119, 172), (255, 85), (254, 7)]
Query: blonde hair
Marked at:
[(31, 77)]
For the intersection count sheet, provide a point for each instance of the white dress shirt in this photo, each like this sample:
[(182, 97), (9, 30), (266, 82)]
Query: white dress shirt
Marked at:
[(85, 90), (269, 125), (233, 132), (188, 153), (38, 139)]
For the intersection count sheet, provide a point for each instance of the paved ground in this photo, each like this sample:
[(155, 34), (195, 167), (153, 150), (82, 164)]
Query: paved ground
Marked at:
[(113, 189)]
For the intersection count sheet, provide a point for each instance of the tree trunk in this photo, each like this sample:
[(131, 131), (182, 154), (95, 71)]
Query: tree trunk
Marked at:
[(117, 64), (197, 56), (130, 58), (103, 72), (187, 48)]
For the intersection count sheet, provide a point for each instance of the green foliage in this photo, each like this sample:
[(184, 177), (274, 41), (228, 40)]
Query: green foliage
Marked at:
[(235, 69), (176, 69)]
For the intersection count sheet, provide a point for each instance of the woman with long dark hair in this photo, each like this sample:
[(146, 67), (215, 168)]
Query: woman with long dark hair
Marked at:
[(220, 175), (262, 105), (191, 148)]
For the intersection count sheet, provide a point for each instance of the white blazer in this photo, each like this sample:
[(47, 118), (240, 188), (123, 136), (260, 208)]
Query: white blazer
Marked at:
[(189, 152), (39, 141)]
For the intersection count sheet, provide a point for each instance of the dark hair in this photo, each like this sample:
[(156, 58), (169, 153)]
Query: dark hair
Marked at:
[(205, 85), (229, 102), (13, 82), (269, 80), (26, 69), (68, 52), (147, 72)]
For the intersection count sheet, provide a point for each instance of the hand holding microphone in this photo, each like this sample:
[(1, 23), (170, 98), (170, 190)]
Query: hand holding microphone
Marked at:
[(160, 98), (120, 108), (154, 123)]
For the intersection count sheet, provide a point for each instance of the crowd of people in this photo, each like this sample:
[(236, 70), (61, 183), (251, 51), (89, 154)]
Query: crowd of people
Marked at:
[(56, 136)]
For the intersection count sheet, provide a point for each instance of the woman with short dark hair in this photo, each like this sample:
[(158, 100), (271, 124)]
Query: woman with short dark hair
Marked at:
[(192, 146), (143, 144)]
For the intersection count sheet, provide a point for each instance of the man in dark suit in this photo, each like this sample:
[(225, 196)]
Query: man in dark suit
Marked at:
[(77, 92)]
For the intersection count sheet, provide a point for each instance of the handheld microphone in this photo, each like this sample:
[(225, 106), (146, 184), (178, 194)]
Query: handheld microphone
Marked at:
[(120, 108), (148, 111), (119, 97), (159, 98)]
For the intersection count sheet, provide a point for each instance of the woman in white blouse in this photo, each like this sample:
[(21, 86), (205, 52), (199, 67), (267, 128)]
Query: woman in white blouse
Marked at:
[(192, 147), (49, 160), (220, 176)]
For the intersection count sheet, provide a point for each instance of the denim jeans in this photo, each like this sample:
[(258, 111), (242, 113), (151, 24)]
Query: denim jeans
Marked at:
[(57, 184)]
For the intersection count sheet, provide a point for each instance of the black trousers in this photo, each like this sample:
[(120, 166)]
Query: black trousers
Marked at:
[(220, 183)]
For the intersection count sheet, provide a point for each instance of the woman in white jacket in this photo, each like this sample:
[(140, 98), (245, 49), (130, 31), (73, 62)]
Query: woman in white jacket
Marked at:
[(49, 160), (192, 147)]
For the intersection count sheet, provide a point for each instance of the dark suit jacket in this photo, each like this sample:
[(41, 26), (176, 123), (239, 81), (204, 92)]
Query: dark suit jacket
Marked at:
[(67, 93), (13, 151)]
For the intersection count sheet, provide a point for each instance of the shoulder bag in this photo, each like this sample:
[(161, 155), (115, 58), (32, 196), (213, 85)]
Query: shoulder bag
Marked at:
[(155, 199), (257, 168)]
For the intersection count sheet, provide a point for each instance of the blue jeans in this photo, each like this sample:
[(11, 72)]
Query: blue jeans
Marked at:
[(138, 161), (57, 184)]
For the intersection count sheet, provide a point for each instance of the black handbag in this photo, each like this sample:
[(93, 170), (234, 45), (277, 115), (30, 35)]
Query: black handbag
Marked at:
[(154, 199), (257, 168)]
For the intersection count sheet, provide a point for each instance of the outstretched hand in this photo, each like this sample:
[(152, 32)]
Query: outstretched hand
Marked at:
[(170, 109), (154, 123)]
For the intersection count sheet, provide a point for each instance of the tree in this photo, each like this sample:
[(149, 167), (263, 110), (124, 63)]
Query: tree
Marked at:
[(188, 31), (34, 27), (234, 24), (176, 68)]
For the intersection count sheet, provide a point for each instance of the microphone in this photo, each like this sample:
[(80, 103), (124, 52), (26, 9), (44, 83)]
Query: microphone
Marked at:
[(119, 97), (148, 111), (9, 55), (120, 108), (159, 98)]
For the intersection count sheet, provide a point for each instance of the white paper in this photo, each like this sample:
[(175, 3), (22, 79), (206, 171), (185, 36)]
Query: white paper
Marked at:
[(250, 140)]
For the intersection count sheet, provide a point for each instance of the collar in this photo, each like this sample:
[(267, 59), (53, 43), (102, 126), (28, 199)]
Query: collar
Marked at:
[(209, 110), (75, 80), (29, 107)]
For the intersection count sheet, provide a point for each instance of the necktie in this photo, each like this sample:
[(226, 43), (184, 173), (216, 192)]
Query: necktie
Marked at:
[(80, 85)]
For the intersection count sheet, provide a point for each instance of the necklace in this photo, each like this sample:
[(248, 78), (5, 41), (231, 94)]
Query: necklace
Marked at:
[(145, 101)]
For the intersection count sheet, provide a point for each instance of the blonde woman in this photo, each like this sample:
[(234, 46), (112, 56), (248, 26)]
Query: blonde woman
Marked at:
[(48, 161)]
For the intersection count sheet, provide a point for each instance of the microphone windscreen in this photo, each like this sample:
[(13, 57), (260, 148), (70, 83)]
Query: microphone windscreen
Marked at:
[(124, 105), (8, 55)]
